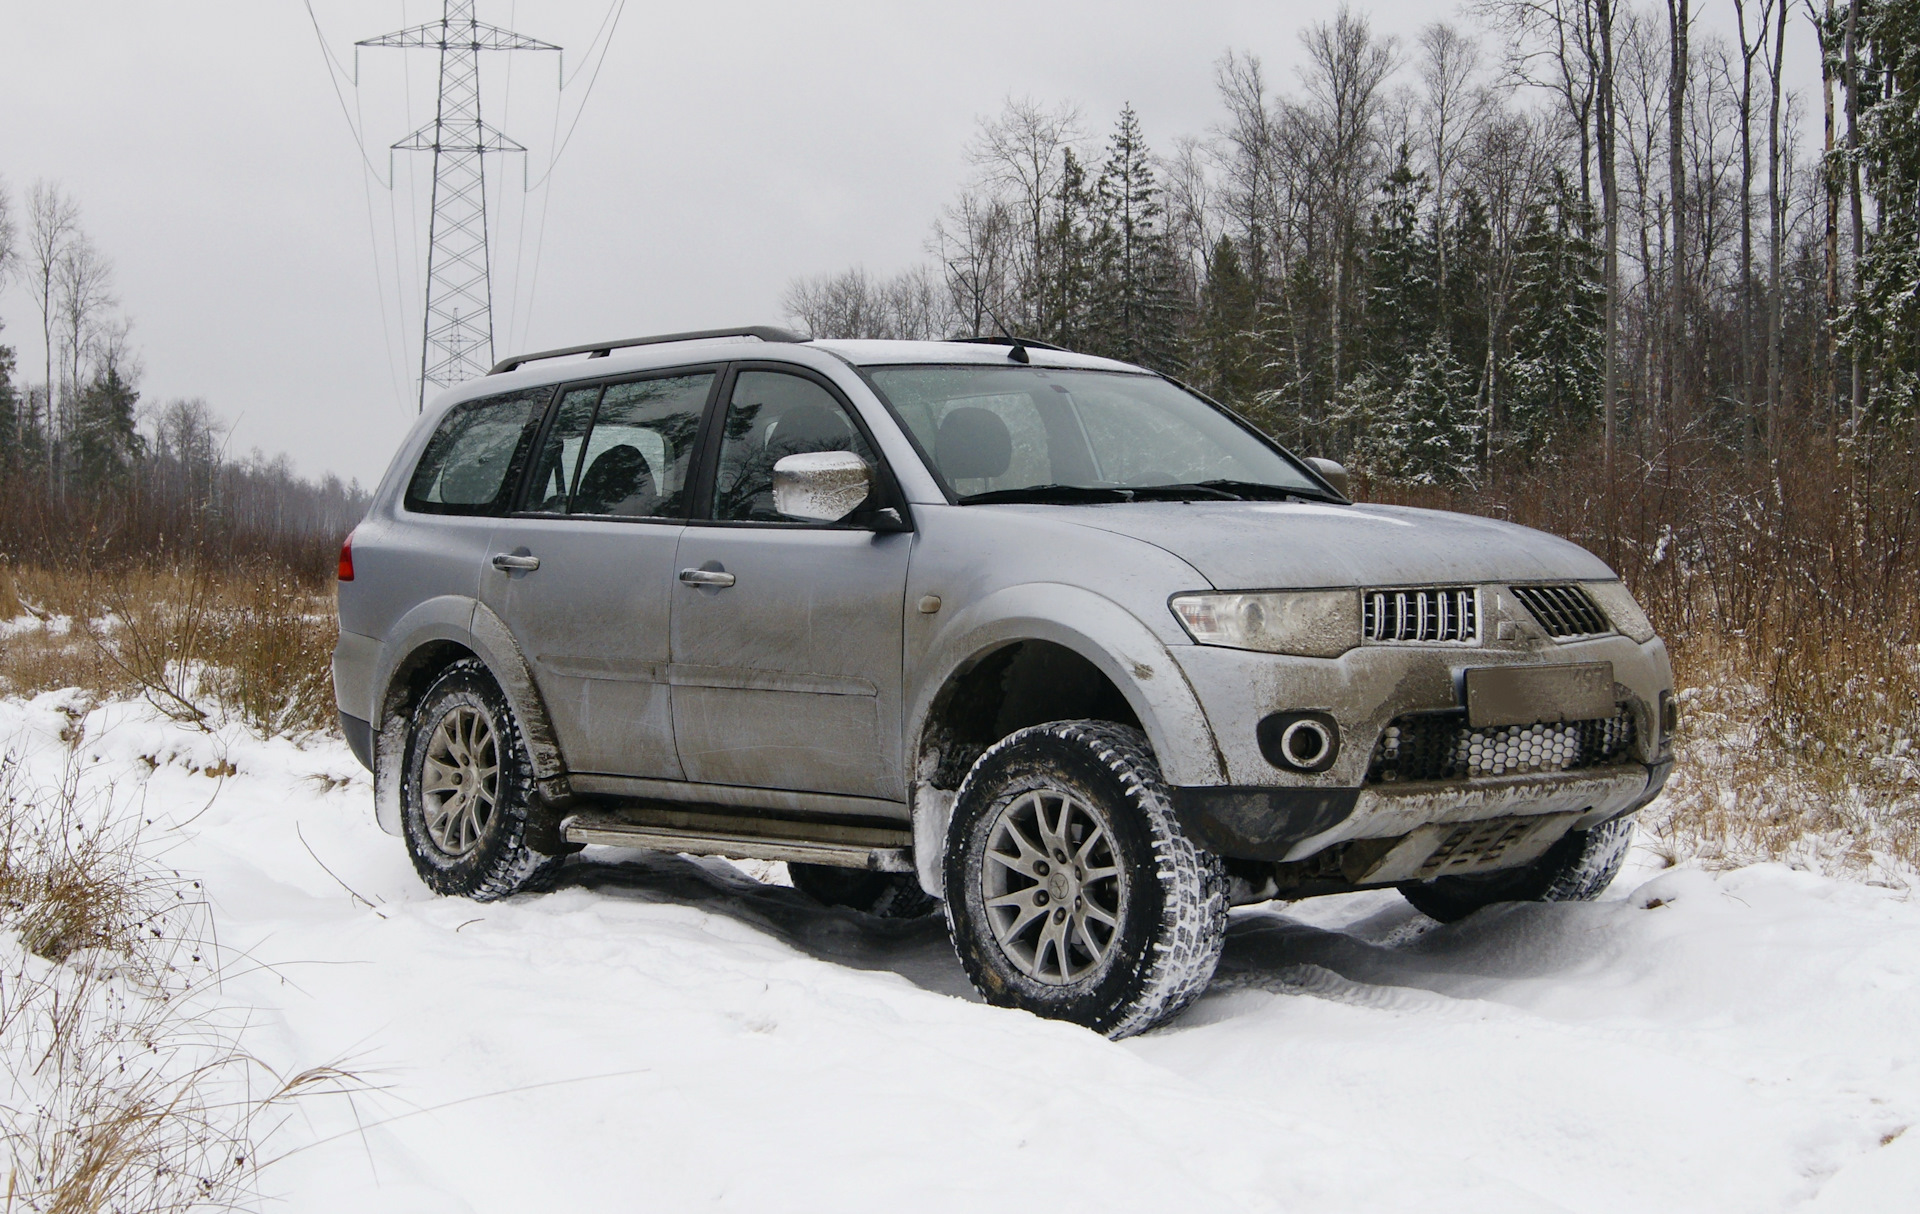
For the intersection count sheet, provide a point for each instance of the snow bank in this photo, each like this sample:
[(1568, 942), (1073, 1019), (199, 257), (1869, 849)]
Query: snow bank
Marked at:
[(664, 1033)]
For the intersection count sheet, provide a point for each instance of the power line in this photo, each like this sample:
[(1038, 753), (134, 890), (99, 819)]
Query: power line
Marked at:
[(327, 57), (616, 12), (457, 333), (612, 12), (368, 175)]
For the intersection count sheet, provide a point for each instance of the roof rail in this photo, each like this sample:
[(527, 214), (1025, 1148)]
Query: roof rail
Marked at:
[(1028, 342), (600, 349)]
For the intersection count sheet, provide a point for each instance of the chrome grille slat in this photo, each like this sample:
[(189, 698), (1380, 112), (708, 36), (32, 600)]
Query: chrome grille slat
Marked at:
[(1441, 615), (1564, 611)]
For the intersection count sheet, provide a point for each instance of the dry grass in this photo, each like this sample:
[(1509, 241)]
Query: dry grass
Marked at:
[(198, 643), (123, 1086)]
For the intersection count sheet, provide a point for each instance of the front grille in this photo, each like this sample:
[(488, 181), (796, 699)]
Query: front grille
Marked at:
[(1448, 614), (1441, 746), (1564, 611)]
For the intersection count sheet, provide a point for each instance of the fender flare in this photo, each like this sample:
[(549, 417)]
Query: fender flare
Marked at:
[(1103, 632), (495, 644), (475, 628)]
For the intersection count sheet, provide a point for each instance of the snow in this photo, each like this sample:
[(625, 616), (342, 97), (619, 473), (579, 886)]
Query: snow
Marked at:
[(666, 1033)]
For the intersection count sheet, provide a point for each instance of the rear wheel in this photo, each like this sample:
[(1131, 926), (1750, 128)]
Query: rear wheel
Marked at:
[(1072, 892), (888, 895), (467, 794), (1576, 869)]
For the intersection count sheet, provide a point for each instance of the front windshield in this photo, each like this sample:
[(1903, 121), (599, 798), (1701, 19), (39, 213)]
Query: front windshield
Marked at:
[(1017, 433)]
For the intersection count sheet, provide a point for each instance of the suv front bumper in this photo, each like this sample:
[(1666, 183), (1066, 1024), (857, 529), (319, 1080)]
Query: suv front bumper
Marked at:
[(1286, 824)]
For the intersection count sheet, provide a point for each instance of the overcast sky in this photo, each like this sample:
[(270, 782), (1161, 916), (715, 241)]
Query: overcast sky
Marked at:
[(725, 148)]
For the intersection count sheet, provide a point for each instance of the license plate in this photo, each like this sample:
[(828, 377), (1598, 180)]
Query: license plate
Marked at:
[(1522, 695)]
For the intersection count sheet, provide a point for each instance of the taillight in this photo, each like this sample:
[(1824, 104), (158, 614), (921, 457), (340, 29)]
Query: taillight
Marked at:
[(346, 559)]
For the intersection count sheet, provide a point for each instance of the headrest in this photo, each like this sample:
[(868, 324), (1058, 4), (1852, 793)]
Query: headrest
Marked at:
[(973, 444), (616, 474)]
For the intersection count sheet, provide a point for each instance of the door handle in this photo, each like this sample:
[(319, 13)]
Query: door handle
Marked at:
[(515, 562), (706, 577)]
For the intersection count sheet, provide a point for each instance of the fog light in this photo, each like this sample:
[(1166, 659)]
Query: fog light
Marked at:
[(1669, 719), (1299, 741)]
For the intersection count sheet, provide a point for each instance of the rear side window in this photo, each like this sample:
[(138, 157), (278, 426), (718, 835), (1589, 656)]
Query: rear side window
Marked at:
[(624, 451), (465, 467)]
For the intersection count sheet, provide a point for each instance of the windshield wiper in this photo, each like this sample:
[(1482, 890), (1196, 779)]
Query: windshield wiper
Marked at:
[(1211, 490), (1056, 494), (1271, 493)]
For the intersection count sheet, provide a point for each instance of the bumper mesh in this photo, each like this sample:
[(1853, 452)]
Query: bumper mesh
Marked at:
[(1441, 746)]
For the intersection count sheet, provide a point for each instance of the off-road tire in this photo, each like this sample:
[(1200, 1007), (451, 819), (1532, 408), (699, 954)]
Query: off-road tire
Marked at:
[(1578, 868), (886, 895), (1172, 915), (502, 862)]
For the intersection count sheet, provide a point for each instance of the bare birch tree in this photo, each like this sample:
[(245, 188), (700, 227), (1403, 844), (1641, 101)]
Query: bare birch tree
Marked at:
[(1019, 157), (1776, 221), (1452, 108), (53, 220)]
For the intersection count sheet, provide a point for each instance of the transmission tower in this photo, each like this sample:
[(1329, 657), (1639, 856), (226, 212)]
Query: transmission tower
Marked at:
[(457, 341)]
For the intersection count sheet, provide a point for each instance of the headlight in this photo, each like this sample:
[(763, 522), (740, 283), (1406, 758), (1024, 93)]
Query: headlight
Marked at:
[(1309, 623), (1617, 601)]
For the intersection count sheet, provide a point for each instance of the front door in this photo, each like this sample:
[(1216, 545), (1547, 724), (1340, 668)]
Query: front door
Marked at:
[(788, 674), (583, 573)]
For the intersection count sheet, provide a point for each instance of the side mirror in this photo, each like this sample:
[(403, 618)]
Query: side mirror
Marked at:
[(821, 486), (1332, 473)]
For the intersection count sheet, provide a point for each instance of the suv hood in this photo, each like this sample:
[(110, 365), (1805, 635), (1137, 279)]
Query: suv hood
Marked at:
[(1302, 545)]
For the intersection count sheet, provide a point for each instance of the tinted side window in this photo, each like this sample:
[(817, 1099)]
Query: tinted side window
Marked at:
[(464, 469), (624, 452), (771, 416), (559, 463)]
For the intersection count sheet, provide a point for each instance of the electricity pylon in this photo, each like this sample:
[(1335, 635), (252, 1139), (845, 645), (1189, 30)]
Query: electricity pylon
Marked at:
[(457, 342)]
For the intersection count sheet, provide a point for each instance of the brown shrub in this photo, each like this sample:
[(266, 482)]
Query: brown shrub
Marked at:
[(194, 640), (121, 1086)]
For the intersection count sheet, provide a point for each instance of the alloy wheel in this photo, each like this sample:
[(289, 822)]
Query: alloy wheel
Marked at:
[(461, 780), (1053, 887)]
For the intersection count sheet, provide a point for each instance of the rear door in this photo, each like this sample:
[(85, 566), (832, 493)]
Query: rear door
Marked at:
[(583, 572), (789, 676)]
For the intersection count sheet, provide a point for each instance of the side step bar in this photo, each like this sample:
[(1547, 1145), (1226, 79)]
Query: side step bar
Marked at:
[(841, 845)]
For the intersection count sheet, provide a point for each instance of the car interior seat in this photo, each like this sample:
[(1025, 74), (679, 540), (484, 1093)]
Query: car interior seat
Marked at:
[(619, 481), (973, 444)]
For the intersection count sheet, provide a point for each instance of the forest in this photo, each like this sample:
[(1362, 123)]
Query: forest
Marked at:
[(91, 472), (1587, 264)]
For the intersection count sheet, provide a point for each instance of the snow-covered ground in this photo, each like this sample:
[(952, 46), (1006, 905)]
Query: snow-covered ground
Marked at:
[(671, 1034)]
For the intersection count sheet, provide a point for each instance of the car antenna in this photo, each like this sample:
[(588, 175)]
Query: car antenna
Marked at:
[(1017, 349)]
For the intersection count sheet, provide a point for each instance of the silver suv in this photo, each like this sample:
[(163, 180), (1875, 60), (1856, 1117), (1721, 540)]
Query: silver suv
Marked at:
[(1048, 638)]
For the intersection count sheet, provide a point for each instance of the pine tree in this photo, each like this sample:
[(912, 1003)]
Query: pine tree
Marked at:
[(1558, 323), (1140, 320), (1883, 320), (9, 414), (1432, 432), (1401, 273), (105, 441), (1076, 252), (1461, 304), (1225, 358)]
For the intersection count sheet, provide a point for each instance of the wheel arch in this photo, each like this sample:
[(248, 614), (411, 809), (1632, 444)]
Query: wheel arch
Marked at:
[(983, 651), (428, 639)]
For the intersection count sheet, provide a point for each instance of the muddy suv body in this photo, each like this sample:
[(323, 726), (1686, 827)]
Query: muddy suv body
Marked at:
[(1045, 625)]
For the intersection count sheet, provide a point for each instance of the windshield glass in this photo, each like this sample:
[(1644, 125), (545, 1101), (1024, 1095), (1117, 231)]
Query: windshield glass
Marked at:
[(1042, 433)]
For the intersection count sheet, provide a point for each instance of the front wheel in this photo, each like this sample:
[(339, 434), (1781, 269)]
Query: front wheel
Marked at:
[(467, 794), (1578, 868), (1072, 892)]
